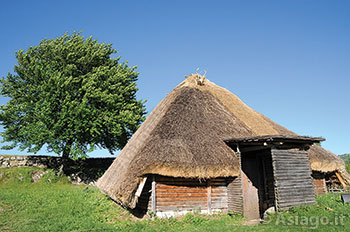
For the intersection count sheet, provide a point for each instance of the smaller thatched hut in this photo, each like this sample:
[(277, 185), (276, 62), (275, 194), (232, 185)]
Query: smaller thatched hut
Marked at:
[(203, 149)]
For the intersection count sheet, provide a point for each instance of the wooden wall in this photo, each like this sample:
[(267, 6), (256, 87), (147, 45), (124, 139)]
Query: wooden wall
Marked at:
[(319, 183), (219, 194), (293, 181), (180, 194), (185, 194), (235, 195)]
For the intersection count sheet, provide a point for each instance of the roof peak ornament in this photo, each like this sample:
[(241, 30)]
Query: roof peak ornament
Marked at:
[(198, 77)]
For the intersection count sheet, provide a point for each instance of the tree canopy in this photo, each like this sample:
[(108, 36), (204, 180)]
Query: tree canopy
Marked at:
[(72, 96)]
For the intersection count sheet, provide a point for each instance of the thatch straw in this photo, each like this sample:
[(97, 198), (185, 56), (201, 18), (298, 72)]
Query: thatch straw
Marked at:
[(183, 137)]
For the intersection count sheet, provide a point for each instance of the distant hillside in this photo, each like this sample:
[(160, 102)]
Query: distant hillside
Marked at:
[(346, 158)]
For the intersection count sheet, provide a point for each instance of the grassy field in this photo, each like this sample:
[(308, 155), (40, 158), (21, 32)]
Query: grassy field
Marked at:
[(53, 204)]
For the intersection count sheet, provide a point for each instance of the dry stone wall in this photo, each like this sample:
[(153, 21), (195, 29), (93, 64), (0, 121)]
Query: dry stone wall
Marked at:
[(79, 171)]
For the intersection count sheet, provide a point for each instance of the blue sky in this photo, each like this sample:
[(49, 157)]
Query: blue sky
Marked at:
[(289, 60)]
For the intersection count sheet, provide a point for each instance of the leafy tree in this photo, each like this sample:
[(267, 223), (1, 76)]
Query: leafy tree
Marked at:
[(69, 94)]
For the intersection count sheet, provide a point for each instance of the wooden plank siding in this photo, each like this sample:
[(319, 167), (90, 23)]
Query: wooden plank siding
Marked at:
[(185, 194), (319, 183), (235, 191), (235, 195), (293, 181), (219, 194)]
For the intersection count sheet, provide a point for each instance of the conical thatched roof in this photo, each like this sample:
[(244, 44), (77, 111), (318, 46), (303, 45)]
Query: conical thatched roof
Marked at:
[(183, 137)]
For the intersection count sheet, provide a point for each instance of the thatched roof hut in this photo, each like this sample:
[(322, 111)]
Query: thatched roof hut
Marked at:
[(183, 137)]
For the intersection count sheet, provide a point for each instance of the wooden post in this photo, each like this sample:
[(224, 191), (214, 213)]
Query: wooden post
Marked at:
[(154, 194), (209, 197), (140, 188), (340, 179), (276, 184)]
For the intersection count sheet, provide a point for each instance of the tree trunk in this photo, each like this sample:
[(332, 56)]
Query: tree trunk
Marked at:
[(65, 156), (66, 150)]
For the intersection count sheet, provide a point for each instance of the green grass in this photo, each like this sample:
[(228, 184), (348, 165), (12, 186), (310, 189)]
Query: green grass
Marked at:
[(329, 214), (53, 204)]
